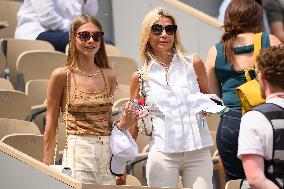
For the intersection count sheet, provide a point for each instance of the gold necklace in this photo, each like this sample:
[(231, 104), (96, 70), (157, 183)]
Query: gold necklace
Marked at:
[(164, 64), (88, 75), (166, 68)]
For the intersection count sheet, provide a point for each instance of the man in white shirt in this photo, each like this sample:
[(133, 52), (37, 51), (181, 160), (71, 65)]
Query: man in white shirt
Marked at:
[(50, 20), (258, 145)]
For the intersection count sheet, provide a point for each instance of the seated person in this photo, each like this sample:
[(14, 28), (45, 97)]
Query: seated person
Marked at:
[(50, 20)]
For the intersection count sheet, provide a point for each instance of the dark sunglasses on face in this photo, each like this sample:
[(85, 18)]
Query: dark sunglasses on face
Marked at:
[(157, 29), (85, 36)]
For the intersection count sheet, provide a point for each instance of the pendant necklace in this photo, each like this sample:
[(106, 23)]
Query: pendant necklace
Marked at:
[(166, 68)]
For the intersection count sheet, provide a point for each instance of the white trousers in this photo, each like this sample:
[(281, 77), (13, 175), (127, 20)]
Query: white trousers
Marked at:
[(89, 158), (164, 169)]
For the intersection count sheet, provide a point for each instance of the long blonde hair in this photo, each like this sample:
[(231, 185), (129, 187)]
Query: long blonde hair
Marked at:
[(100, 59), (146, 25)]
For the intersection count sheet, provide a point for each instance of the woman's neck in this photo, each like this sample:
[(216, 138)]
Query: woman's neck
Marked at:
[(85, 63), (164, 57)]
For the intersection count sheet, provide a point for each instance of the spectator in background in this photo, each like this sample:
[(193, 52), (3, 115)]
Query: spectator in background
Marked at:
[(261, 133), (50, 20), (275, 15), (222, 10), (225, 65)]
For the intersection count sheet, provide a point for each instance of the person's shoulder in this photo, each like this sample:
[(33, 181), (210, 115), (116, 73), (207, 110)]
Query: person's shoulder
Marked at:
[(134, 80), (252, 119), (274, 41), (134, 76), (197, 61), (110, 73), (59, 73), (58, 77)]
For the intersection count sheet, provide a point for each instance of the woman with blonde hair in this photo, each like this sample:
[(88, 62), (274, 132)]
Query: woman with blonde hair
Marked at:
[(172, 80), (83, 90)]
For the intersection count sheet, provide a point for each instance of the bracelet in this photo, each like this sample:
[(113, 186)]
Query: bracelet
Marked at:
[(114, 124)]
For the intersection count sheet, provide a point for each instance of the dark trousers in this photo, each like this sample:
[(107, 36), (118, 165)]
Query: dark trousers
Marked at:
[(227, 144), (58, 39)]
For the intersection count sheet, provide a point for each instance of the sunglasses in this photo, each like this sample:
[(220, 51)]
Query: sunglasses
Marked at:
[(158, 29), (85, 36)]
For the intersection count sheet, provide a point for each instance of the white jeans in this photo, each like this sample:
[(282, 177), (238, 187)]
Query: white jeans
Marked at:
[(164, 169), (89, 158)]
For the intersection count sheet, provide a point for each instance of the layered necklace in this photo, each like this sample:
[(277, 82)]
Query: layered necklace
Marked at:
[(88, 75)]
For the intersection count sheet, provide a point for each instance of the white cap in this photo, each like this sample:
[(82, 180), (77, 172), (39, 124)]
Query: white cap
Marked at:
[(124, 149)]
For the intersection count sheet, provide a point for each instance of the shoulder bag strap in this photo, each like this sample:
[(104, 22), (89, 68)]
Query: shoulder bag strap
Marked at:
[(141, 85)]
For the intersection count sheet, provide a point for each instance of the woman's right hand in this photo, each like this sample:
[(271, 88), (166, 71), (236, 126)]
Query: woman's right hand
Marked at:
[(130, 115)]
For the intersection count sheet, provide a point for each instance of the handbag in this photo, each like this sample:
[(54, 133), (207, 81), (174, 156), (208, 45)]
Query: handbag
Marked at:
[(249, 92), (63, 168), (144, 125)]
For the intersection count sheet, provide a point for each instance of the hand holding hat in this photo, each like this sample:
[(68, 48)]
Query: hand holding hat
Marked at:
[(124, 149)]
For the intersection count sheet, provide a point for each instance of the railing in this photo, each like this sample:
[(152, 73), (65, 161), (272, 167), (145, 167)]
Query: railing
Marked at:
[(198, 30)]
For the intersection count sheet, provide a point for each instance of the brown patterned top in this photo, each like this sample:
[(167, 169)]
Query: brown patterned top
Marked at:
[(88, 112)]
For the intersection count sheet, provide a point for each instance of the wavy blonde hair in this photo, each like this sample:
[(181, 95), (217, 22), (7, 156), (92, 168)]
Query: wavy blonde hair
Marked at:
[(100, 59), (148, 21)]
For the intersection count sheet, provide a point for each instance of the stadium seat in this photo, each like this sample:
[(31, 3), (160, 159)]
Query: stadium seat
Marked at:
[(9, 126), (37, 64), (132, 181), (29, 144), (36, 90), (122, 91), (124, 68), (14, 104), (6, 84), (16, 46), (233, 184), (8, 13), (112, 50)]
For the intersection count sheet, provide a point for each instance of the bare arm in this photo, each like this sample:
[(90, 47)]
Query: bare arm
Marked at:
[(134, 94), (201, 75), (55, 91), (113, 86), (214, 85), (274, 41), (254, 169), (277, 29), (134, 86), (129, 116)]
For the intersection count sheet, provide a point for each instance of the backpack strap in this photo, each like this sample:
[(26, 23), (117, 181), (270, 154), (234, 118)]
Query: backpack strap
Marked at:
[(270, 111), (274, 169)]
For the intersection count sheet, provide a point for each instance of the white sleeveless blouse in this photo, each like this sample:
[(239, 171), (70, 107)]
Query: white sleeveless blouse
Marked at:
[(176, 128)]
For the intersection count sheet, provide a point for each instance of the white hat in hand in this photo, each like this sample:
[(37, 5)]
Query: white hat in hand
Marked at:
[(124, 149)]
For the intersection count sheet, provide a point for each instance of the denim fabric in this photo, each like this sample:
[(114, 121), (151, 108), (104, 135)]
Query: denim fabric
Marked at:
[(227, 144), (58, 39)]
